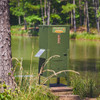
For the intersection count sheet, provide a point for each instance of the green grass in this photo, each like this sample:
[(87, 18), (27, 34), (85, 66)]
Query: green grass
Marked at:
[(27, 87), (86, 36), (18, 30), (82, 86), (35, 92)]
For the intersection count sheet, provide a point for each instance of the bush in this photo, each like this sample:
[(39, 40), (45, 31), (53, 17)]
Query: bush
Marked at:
[(73, 36), (7, 94), (83, 87), (33, 92)]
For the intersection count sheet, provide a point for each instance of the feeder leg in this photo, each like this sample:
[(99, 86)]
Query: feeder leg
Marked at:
[(39, 79), (58, 80)]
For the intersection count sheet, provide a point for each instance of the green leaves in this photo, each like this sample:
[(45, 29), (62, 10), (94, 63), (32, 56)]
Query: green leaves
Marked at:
[(55, 16), (68, 8), (17, 11), (16, 8), (98, 12), (7, 94), (31, 6), (19, 8), (33, 18), (59, 1)]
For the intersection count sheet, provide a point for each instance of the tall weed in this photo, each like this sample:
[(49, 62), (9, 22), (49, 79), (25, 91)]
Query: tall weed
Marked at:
[(85, 87)]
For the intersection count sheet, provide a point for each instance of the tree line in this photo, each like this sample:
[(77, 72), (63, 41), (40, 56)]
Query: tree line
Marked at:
[(73, 12)]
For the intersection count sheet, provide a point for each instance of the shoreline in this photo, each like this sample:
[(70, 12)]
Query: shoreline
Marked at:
[(82, 39)]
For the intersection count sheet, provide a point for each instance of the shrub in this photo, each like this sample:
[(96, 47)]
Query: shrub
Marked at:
[(73, 36), (83, 87), (7, 94)]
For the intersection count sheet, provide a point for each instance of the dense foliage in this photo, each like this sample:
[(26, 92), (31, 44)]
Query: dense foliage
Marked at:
[(73, 12)]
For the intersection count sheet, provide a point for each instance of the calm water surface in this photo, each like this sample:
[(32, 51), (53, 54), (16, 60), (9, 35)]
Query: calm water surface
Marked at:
[(85, 58), (84, 55), (22, 48)]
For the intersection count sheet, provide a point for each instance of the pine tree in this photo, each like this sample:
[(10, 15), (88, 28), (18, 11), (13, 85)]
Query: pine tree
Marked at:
[(5, 46)]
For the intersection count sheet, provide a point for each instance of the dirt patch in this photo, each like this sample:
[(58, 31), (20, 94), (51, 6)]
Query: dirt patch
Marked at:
[(83, 29), (79, 29)]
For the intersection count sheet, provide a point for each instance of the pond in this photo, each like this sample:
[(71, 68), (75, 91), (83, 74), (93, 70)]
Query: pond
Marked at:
[(25, 48), (84, 56)]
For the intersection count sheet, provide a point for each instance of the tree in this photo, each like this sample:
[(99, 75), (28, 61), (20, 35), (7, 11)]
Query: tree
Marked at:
[(87, 16), (45, 10), (6, 74), (48, 12), (16, 9), (68, 8), (42, 11), (55, 18), (74, 20), (96, 5), (74, 11), (23, 8), (80, 11)]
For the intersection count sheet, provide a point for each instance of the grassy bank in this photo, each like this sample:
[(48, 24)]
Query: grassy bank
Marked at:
[(83, 86), (19, 30), (84, 36)]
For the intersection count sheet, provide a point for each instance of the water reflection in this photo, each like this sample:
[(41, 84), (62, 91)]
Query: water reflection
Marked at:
[(85, 58), (22, 47), (85, 55)]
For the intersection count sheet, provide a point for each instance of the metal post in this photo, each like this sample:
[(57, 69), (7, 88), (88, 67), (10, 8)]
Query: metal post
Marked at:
[(58, 80)]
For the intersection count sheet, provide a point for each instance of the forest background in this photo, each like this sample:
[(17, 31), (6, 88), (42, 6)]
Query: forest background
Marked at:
[(76, 13)]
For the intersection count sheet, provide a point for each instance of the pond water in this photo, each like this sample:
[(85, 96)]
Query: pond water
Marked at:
[(25, 48), (84, 56)]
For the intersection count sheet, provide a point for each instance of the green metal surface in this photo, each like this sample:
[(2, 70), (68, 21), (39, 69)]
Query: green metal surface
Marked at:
[(55, 39)]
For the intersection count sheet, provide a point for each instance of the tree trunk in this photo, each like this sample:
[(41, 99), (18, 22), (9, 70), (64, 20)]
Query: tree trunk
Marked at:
[(45, 11), (71, 18), (74, 20), (45, 8), (48, 12), (6, 74), (94, 8), (96, 4), (85, 14), (42, 11), (87, 17), (25, 23), (80, 11), (98, 18), (19, 20)]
